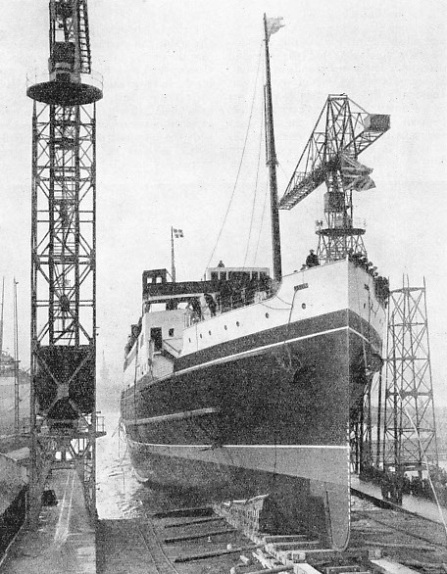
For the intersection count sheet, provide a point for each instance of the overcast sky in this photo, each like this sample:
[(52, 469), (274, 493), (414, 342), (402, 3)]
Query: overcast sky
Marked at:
[(179, 79)]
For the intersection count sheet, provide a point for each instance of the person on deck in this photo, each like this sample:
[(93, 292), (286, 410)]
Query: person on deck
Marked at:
[(211, 304), (312, 259)]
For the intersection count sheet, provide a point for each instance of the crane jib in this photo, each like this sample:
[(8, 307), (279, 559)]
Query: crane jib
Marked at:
[(343, 128)]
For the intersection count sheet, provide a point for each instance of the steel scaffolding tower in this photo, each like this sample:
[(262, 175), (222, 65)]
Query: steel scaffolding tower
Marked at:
[(63, 246), (409, 419)]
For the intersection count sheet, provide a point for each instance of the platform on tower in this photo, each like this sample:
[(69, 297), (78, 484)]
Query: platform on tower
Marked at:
[(46, 90), (65, 539)]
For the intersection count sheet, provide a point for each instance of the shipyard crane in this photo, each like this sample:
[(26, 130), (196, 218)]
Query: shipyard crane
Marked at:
[(342, 132), (63, 246)]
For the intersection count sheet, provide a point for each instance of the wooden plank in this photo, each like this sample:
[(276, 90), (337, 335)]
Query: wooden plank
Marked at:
[(201, 535), (180, 512), (192, 522), (212, 553)]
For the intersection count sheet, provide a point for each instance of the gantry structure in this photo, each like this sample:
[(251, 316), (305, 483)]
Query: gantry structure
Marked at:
[(342, 132), (409, 439), (63, 256)]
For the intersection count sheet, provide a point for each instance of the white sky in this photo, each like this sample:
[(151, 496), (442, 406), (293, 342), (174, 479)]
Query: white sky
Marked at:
[(179, 77)]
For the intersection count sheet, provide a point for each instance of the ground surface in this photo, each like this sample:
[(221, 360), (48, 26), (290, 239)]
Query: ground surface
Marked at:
[(64, 541)]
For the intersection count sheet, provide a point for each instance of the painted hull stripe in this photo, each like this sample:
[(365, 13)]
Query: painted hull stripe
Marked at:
[(318, 464), (258, 350), (251, 446), (172, 417)]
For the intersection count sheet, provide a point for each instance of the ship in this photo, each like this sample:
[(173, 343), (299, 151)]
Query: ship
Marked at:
[(14, 446), (14, 397), (246, 385)]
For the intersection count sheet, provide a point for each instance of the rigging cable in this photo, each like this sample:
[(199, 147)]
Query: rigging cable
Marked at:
[(240, 163), (255, 191), (261, 224)]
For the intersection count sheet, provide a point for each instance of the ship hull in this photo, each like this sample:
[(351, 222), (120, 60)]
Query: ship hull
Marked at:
[(264, 414), (8, 406)]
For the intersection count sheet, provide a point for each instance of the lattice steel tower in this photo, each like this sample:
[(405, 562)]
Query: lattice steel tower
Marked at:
[(63, 267), (342, 132), (409, 418)]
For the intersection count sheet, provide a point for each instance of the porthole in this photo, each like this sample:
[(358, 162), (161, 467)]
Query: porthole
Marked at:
[(303, 306), (201, 335), (237, 323), (189, 339), (225, 327), (267, 315), (209, 332)]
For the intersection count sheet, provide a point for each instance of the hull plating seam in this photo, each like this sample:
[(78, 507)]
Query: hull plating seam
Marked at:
[(172, 417)]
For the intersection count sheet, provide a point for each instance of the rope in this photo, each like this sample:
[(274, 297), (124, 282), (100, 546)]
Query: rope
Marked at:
[(240, 163), (275, 308), (255, 191)]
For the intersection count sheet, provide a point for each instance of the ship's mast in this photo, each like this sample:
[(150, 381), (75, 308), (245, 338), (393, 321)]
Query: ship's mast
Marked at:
[(1, 324), (271, 161), (16, 365)]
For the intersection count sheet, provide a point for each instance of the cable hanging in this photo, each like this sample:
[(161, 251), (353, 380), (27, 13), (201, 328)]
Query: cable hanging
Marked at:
[(261, 133), (240, 162)]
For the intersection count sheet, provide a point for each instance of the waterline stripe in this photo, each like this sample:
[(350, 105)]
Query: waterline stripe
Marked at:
[(283, 446)]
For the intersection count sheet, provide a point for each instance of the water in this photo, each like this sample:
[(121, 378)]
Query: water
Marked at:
[(118, 493)]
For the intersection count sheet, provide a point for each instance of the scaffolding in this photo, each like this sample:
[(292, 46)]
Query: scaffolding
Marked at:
[(409, 437)]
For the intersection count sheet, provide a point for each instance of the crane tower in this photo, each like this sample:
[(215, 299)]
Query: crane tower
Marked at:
[(342, 132), (63, 246)]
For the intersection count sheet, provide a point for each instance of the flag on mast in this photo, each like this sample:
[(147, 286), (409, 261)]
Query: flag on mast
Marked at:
[(177, 233), (273, 25), (355, 175)]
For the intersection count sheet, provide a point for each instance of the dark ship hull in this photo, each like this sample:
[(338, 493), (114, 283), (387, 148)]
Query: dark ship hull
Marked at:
[(267, 412)]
